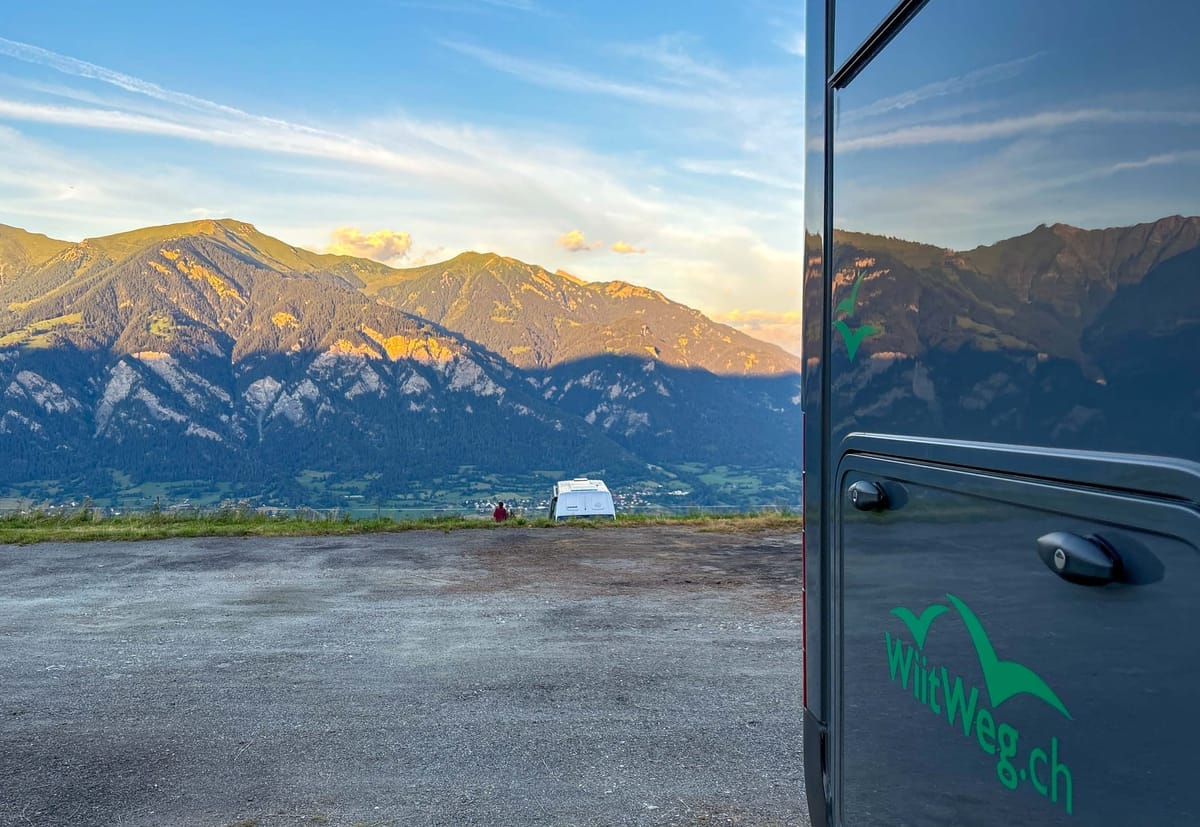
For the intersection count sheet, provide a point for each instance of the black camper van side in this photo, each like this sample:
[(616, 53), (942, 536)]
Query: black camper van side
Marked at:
[(1002, 412)]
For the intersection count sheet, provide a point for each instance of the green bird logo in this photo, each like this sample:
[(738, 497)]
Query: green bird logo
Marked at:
[(919, 626), (852, 337), (1004, 679)]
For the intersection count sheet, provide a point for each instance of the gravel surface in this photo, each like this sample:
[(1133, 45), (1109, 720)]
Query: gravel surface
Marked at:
[(642, 676)]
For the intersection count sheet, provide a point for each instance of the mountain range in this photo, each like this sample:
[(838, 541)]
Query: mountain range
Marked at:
[(211, 357)]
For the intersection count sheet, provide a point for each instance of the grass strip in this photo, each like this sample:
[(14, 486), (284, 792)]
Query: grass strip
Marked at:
[(87, 525)]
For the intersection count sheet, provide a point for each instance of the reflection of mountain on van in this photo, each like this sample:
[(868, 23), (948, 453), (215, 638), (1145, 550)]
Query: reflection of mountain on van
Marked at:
[(1040, 290), (1040, 334)]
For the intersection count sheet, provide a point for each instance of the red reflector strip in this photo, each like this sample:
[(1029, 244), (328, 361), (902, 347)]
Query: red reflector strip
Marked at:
[(803, 564)]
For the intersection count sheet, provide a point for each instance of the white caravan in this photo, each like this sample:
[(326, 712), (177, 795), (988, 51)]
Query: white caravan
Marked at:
[(581, 497)]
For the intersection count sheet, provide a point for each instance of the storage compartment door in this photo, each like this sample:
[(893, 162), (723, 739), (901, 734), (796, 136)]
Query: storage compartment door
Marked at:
[(978, 684)]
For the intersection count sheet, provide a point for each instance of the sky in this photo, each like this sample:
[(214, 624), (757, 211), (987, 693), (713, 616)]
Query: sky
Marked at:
[(658, 143), (981, 121)]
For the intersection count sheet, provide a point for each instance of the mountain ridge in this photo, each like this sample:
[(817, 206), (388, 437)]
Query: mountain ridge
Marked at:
[(535, 318), (211, 355), (611, 309)]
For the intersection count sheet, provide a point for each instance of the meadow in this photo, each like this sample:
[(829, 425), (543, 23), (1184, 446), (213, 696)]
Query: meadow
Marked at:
[(89, 524)]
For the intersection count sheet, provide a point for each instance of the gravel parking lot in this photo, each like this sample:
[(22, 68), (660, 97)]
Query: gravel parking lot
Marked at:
[(640, 676)]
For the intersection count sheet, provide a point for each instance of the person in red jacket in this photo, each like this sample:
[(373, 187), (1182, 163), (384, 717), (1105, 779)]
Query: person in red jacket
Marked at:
[(500, 514)]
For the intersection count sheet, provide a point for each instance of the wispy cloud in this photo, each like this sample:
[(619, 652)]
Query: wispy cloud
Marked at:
[(490, 168), (673, 61), (277, 136), (81, 68), (961, 133), (474, 7), (1008, 190), (64, 191), (520, 5), (753, 117), (217, 123), (626, 249), (566, 78), (939, 89), (1160, 160), (740, 169)]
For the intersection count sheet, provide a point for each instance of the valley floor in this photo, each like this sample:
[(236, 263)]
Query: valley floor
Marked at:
[(520, 677)]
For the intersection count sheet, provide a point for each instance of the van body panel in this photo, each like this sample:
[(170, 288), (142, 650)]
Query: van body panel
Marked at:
[(1001, 349), (1116, 665)]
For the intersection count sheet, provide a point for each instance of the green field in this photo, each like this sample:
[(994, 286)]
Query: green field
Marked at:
[(463, 489)]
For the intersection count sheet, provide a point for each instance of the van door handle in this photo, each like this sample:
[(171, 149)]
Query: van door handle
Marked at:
[(1087, 561), (867, 496)]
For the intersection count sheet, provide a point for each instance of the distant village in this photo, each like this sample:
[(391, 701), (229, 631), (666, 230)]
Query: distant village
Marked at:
[(673, 501)]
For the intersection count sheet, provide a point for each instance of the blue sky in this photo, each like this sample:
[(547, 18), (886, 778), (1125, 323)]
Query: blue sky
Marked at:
[(654, 142), (982, 120), (658, 143)]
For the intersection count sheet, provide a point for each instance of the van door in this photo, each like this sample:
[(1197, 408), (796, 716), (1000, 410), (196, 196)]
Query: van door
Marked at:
[(982, 676)]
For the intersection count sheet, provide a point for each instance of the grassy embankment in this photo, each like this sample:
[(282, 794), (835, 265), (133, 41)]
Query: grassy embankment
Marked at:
[(87, 525)]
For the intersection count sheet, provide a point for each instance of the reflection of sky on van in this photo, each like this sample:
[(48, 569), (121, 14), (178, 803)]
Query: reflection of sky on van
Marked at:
[(855, 22), (1054, 116)]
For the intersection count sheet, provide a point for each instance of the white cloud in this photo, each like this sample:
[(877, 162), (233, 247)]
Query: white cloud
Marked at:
[(793, 43), (428, 255), (386, 246), (627, 249), (100, 200), (575, 242)]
